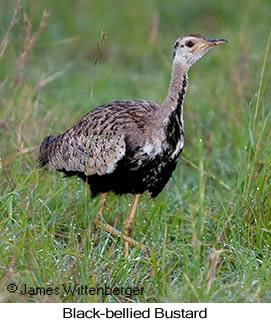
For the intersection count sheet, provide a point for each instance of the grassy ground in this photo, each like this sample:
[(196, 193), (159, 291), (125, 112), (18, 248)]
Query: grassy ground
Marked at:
[(210, 228)]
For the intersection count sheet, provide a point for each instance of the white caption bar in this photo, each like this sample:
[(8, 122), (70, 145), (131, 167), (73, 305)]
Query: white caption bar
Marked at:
[(171, 312)]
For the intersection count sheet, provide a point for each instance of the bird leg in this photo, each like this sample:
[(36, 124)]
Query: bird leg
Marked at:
[(108, 228), (101, 202), (97, 220), (129, 223)]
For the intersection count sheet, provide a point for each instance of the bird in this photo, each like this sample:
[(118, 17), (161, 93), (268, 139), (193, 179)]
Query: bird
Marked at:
[(129, 146)]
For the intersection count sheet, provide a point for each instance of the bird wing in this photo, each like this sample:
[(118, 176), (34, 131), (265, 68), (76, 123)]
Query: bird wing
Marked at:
[(90, 154), (96, 143), (97, 154)]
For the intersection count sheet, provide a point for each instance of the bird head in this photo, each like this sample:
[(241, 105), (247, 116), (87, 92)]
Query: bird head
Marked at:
[(191, 47)]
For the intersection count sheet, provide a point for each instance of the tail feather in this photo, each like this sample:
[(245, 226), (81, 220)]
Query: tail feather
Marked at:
[(43, 157)]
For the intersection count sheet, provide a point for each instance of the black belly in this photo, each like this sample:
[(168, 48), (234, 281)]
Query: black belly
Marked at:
[(126, 178)]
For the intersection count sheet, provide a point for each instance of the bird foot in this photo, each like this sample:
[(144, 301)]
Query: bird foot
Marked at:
[(108, 228)]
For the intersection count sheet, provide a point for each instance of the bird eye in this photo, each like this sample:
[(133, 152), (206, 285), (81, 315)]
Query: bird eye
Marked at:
[(190, 43)]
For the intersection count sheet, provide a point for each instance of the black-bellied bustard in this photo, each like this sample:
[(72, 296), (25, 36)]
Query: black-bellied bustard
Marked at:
[(129, 146)]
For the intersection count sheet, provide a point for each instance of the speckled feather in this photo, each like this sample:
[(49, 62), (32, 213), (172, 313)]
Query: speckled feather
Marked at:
[(106, 149), (97, 142)]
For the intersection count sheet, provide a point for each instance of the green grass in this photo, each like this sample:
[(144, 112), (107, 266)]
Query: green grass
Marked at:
[(210, 229)]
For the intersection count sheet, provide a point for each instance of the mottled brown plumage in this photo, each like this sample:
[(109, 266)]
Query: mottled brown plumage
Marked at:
[(129, 146)]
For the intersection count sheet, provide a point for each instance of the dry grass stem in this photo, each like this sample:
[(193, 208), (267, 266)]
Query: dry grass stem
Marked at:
[(206, 173), (98, 54), (48, 79), (154, 28), (213, 262), (221, 235), (10, 271), (13, 22), (29, 41), (19, 153)]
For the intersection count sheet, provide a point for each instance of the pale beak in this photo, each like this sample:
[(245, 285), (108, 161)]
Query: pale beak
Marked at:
[(211, 43), (214, 42)]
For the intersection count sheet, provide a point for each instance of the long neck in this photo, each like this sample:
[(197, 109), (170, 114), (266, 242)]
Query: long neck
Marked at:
[(176, 93)]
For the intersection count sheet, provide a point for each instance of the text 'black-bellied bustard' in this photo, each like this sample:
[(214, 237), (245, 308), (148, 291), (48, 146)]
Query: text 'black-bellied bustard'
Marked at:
[(129, 146)]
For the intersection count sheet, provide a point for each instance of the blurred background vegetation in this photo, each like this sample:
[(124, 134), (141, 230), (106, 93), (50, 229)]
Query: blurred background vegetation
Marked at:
[(210, 228)]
